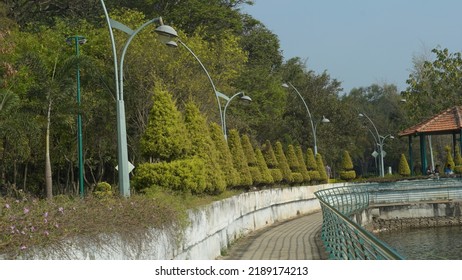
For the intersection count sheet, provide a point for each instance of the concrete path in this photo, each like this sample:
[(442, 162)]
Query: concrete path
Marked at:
[(296, 239)]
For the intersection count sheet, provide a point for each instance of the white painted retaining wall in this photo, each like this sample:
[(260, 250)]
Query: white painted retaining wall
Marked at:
[(213, 227)]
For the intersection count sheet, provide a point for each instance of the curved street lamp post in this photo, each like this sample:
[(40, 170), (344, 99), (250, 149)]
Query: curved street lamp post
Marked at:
[(218, 94), (77, 41), (380, 140), (166, 34), (313, 125)]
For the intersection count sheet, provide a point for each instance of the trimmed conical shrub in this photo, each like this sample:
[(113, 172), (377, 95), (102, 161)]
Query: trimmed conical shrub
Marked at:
[(458, 161), (264, 171), (321, 168), (449, 158), (347, 173), (403, 167), (166, 137), (283, 165), (239, 159), (301, 161), (312, 166), (204, 147), (225, 158), (294, 165), (271, 161), (251, 160)]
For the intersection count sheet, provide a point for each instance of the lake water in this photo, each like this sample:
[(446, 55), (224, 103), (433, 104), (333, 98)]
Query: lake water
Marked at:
[(439, 243)]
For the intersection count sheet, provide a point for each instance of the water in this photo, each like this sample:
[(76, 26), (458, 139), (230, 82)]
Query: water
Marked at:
[(439, 243)]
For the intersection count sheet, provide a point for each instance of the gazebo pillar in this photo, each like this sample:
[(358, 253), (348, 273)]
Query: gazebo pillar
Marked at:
[(410, 156), (423, 153)]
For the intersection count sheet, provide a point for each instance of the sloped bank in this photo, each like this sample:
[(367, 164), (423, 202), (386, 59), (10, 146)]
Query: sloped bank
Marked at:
[(212, 228)]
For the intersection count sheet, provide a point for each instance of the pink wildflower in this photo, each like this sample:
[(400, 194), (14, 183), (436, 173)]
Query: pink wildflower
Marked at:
[(23, 247), (61, 209), (7, 206), (46, 233), (46, 214), (26, 210)]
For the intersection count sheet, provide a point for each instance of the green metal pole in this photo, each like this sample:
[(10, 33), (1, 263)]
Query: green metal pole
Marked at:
[(78, 40)]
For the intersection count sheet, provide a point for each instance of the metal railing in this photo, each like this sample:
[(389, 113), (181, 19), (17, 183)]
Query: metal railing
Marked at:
[(344, 239)]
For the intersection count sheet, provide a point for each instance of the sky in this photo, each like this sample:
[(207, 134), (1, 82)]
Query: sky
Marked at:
[(362, 42)]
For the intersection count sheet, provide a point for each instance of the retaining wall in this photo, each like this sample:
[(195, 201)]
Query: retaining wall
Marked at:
[(212, 228)]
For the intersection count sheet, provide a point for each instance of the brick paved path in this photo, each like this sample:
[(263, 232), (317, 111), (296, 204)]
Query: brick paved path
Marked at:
[(296, 239)]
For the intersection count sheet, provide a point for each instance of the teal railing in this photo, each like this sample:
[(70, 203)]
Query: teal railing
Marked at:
[(344, 239)]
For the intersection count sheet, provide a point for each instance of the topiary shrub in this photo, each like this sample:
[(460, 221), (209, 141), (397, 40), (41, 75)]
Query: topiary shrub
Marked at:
[(103, 190), (188, 176), (283, 165), (321, 169), (239, 158), (312, 166), (403, 168), (251, 160), (458, 161), (271, 162), (303, 170), (264, 170), (347, 173), (449, 158)]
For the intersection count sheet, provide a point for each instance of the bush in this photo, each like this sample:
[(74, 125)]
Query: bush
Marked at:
[(347, 165), (186, 175), (347, 175), (103, 190), (403, 168)]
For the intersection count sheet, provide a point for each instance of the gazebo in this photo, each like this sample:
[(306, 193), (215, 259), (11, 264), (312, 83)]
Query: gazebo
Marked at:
[(446, 122)]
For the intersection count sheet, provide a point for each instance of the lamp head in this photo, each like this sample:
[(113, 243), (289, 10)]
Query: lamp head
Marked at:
[(361, 114), (246, 98), (166, 33), (325, 120), (171, 44), (285, 85)]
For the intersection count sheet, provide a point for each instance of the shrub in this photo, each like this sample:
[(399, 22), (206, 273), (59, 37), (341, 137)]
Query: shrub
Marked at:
[(103, 190), (449, 158), (346, 172), (283, 165), (239, 159), (403, 168), (188, 175), (312, 166), (264, 171), (303, 170), (251, 160), (321, 168)]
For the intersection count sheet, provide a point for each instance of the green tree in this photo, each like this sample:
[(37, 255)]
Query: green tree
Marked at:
[(225, 158), (251, 160), (312, 166), (294, 165), (166, 137), (271, 161), (347, 172), (204, 147), (404, 169), (301, 161), (321, 168), (239, 158), (283, 164), (449, 158), (264, 170)]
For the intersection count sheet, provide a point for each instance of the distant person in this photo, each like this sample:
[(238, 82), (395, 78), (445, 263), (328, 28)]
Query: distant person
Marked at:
[(437, 170), (429, 170), (448, 170), (328, 171)]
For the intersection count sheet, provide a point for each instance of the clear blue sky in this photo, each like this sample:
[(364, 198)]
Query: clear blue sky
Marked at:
[(361, 42)]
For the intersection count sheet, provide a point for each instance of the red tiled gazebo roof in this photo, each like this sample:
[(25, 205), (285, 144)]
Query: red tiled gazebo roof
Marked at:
[(446, 122)]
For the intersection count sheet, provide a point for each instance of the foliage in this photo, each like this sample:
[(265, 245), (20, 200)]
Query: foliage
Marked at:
[(347, 173), (239, 158), (403, 168), (103, 190), (294, 165), (312, 166), (265, 172), (449, 158), (204, 147), (321, 168), (225, 159), (283, 164), (184, 176), (301, 161), (271, 161), (257, 177), (166, 137)]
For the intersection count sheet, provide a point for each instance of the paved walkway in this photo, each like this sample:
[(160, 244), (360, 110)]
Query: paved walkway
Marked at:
[(296, 239)]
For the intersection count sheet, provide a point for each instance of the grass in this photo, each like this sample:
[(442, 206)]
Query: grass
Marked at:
[(27, 223)]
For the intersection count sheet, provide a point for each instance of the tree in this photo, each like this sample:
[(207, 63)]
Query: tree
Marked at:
[(225, 158), (251, 160), (283, 164), (301, 161), (321, 168), (204, 147), (166, 137), (347, 173), (312, 166), (271, 161), (294, 165), (239, 158), (403, 168), (449, 158), (264, 170)]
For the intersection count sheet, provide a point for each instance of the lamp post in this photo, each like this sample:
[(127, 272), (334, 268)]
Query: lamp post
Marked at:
[(218, 94), (380, 142), (228, 100), (166, 33), (78, 40), (313, 126)]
